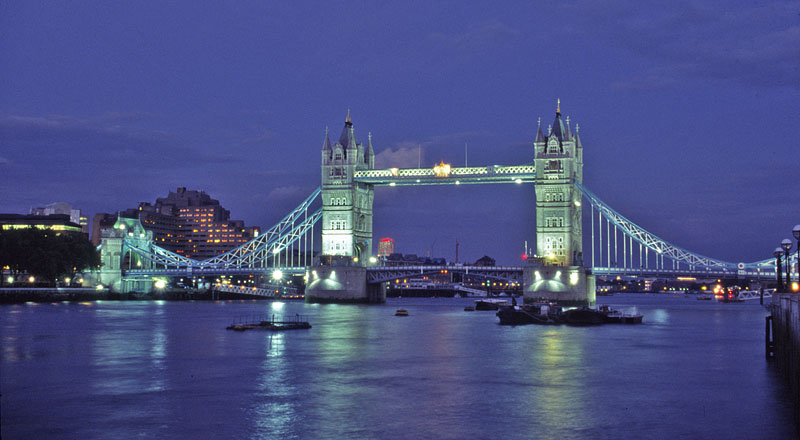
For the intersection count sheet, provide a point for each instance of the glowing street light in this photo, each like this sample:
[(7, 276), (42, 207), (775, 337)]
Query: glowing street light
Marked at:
[(160, 284), (796, 233), (786, 244), (778, 253)]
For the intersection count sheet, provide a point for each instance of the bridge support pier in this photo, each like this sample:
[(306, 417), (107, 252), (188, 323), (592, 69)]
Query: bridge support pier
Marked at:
[(342, 284), (564, 285)]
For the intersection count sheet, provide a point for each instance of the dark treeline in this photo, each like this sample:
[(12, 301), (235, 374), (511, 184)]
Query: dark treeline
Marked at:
[(45, 254)]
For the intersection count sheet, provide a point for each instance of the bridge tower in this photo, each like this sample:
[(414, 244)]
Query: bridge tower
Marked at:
[(340, 275), (346, 205), (558, 157), (559, 164), (116, 257)]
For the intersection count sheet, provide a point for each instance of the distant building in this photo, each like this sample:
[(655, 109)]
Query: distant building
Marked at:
[(191, 223), (485, 261), (53, 222), (99, 222), (385, 247), (62, 208)]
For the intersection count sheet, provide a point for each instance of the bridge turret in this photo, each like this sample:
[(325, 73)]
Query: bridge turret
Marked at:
[(558, 158), (347, 205), (559, 164)]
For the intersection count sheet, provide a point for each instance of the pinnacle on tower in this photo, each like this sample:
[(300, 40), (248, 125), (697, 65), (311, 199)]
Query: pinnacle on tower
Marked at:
[(327, 143), (558, 125), (539, 134)]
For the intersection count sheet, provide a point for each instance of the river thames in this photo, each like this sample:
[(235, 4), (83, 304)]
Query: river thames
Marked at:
[(113, 369)]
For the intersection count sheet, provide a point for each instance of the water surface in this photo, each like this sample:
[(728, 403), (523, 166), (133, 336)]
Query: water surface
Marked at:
[(106, 369)]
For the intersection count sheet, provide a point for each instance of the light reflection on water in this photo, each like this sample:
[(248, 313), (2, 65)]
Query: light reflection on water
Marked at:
[(171, 370)]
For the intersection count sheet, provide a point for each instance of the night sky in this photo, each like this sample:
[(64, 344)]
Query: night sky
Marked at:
[(688, 112)]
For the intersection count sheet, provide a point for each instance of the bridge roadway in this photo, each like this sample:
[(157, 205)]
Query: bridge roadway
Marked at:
[(388, 273), (443, 174)]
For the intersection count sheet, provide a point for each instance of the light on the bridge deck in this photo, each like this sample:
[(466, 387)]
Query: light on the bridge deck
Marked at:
[(577, 203), (373, 260), (31, 279), (795, 286), (99, 287), (573, 278), (355, 259), (518, 181), (10, 279), (160, 284), (458, 183), (277, 274), (392, 184), (66, 280)]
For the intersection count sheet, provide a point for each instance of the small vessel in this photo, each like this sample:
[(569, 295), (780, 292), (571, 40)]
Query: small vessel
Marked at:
[(490, 304), (297, 324), (584, 316), (401, 312), (616, 317), (271, 325), (542, 314)]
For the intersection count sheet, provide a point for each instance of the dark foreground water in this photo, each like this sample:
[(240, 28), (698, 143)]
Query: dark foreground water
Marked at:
[(694, 370)]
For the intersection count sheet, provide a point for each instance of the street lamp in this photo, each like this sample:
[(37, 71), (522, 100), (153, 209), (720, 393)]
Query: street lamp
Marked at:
[(778, 253), (796, 233), (786, 244)]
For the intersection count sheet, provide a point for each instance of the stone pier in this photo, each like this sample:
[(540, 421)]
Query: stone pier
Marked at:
[(564, 285), (338, 280)]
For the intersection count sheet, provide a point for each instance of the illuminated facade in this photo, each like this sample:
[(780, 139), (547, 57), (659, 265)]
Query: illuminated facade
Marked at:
[(62, 208), (385, 247), (559, 164), (192, 224), (346, 204), (53, 222)]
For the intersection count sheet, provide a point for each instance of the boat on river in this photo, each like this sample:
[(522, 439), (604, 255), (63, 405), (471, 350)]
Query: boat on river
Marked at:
[(490, 304), (549, 314)]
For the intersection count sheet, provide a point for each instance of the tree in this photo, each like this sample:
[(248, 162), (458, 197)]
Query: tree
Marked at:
[(46, 254)]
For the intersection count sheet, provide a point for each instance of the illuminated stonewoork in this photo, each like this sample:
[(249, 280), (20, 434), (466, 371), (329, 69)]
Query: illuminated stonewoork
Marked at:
[(346, 203), (558, 158)]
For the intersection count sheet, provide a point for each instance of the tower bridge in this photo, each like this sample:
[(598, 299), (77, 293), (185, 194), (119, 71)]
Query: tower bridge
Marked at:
[(341, 209)]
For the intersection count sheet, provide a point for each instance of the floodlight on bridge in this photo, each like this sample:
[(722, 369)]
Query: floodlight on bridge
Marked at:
[(277, 274)]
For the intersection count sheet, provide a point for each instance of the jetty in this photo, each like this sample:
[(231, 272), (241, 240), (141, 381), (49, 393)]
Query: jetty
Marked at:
[(299, 323)]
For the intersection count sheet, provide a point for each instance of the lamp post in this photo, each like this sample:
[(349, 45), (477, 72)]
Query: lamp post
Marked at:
[(796, 233), (786, 244), (778, 253)]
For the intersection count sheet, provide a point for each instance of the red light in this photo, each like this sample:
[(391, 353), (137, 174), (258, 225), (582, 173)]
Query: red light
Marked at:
[(524, 256)]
